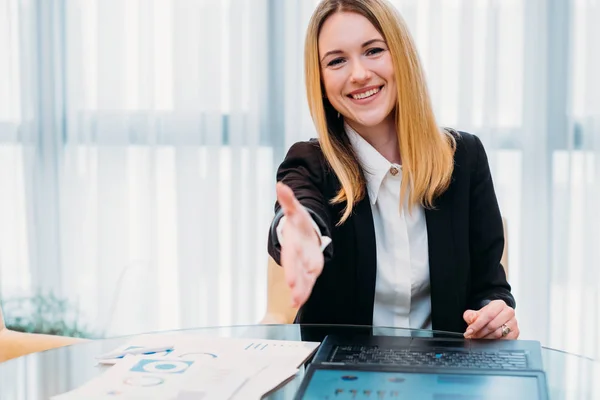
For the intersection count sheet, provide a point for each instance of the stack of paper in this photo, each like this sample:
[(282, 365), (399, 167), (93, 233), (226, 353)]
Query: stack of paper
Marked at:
[(197, 367)]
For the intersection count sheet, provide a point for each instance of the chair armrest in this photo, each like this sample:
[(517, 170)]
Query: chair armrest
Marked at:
[(275, 319), (504, 260), (17, 344), (279, 298)]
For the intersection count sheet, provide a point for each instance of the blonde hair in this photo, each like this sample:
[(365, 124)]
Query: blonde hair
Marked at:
[(427, 151)]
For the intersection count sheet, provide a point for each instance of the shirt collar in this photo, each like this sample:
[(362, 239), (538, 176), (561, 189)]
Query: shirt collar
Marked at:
[(374, 165)]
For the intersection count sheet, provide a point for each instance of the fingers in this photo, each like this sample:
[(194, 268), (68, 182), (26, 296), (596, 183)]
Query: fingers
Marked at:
[(286, 198), (513, 334), (493, 328), (470, 316), (488, 322), (482, 317)]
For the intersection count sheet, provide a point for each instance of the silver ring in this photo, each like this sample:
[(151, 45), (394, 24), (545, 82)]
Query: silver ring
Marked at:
[(505, 330)]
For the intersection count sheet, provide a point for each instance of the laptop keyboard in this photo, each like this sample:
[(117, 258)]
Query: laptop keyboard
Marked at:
[(406, 357)]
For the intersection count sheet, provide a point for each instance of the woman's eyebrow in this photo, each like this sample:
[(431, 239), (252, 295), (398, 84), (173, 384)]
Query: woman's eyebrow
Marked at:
[(369, 42), (329, 53)]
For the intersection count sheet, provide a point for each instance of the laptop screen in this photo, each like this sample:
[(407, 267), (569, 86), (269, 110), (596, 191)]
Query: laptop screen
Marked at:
[(355, 384)]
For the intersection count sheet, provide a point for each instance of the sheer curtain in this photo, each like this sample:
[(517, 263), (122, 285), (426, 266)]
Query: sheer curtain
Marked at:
[(138, 142), (135, 135)]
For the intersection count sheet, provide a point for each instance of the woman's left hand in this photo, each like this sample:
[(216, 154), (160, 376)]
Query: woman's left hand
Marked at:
[(494, 321)]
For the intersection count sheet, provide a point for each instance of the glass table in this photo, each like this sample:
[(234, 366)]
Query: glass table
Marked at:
[(42, 375)]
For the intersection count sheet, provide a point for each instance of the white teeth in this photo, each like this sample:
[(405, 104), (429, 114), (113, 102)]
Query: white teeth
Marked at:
[(366, 94)]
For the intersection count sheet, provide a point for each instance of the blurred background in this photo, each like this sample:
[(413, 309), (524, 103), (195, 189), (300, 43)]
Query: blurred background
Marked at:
[(139, 141)]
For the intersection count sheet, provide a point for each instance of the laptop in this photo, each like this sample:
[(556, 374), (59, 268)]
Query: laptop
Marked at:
[(442, 352), (424, 367), (393, 382)]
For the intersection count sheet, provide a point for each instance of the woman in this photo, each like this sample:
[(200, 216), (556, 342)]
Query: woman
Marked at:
[(409, 208)]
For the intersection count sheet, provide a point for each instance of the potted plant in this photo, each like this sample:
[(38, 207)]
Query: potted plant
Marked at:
[(46, 314)]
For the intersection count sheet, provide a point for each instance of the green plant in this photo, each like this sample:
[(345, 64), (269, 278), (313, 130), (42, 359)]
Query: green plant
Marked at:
[(44, 313)]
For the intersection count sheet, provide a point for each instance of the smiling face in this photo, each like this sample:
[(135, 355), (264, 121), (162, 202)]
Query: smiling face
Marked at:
[(357, 71)]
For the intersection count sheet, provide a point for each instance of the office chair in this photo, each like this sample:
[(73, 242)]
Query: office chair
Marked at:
[(15, 344)]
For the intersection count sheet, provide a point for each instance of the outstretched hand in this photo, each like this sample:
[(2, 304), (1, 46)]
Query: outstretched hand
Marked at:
[(301, 255)]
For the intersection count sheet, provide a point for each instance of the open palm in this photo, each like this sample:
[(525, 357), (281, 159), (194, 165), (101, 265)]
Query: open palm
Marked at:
[(301, 256)]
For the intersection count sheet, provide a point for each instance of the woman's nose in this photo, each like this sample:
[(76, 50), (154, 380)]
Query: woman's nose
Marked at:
[(359, 73)]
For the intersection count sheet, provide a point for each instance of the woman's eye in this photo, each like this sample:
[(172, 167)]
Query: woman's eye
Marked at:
[(373, 51), (335, 61)]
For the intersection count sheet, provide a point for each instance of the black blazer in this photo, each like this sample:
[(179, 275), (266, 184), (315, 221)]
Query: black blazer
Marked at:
[(464, 230)]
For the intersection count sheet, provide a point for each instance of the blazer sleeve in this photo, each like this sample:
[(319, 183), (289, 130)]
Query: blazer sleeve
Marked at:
[(488, 280), (303, 170)]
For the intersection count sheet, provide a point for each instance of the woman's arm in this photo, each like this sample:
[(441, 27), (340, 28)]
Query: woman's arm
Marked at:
[(299, 245), (491, 314), (303, 171), (486, 235)]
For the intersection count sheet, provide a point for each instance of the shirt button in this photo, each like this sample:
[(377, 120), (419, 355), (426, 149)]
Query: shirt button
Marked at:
[(394, 171)]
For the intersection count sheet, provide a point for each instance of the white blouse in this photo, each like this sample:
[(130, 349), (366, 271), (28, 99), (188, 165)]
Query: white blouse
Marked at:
[(402, 289)]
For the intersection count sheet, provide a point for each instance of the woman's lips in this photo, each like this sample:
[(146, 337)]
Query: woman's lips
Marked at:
[(368, 99)]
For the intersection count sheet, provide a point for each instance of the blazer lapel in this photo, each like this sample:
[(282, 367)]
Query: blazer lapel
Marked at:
[(366, 262), (442, 261)]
